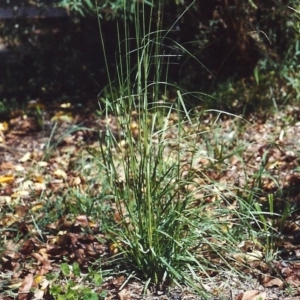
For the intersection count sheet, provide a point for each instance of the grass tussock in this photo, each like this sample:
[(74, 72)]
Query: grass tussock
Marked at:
[(164, 231)]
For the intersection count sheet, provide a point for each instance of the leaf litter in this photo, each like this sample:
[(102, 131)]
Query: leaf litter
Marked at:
[(37, 173)]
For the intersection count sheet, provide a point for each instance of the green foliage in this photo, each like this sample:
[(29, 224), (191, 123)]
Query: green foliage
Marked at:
[(158, 223), (108, 9), (79, 6), (68, 287)]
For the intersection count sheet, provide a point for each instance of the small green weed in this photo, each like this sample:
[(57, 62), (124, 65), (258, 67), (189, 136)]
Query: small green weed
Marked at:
[(72, 284)]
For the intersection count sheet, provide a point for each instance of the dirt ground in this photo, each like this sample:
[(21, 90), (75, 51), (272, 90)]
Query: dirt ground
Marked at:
[(37, 156)]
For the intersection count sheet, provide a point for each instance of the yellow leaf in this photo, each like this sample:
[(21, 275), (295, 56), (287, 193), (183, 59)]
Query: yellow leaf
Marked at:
[(7, 178), (38, 279), (62, 117), (3, 126), (65, 105), (36, 207), (9, 219), (114, 248), (38, 178)]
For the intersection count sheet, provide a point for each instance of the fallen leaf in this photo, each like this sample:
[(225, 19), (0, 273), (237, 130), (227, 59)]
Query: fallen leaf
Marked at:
[(75, 181), (38, 178), (21, 210), (117, 282), (274, 282), (36, 207), (7, 179), (7, 166), (252, 295), (248, 257), (19, 168), (8, 220), (84, 222), (25, 287), (20, 194), (61, 117), (42, 164), (15, 285), (38, 187), (124, 295), (44, 283), (65, 105), (60, 174), (38, 279), (25, 157), (3, 126), (38, 294)]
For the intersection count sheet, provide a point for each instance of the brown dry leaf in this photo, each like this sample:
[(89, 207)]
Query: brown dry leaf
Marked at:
[(21, 210), (84, 222), (27, 247), (134, 127), (7, 166), (293, 280), (121, 214), (253, 295), (274, 282), (62, 224), (124, 295), (43, 252), (74, 181), (248, 257), (117, 282), (44, 263), (25, 287), (38, 257)]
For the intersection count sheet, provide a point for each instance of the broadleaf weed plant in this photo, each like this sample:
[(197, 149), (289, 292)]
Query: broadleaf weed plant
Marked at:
[(161, 233)]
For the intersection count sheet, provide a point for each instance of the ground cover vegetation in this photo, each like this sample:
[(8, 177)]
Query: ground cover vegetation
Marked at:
[(148, 195)]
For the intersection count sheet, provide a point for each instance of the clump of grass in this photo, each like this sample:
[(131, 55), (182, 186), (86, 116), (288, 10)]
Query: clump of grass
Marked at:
[(162, 231), (158, 225)]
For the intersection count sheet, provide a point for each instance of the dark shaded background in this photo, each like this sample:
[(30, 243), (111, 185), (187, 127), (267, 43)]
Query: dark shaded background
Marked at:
[(53, 54)]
